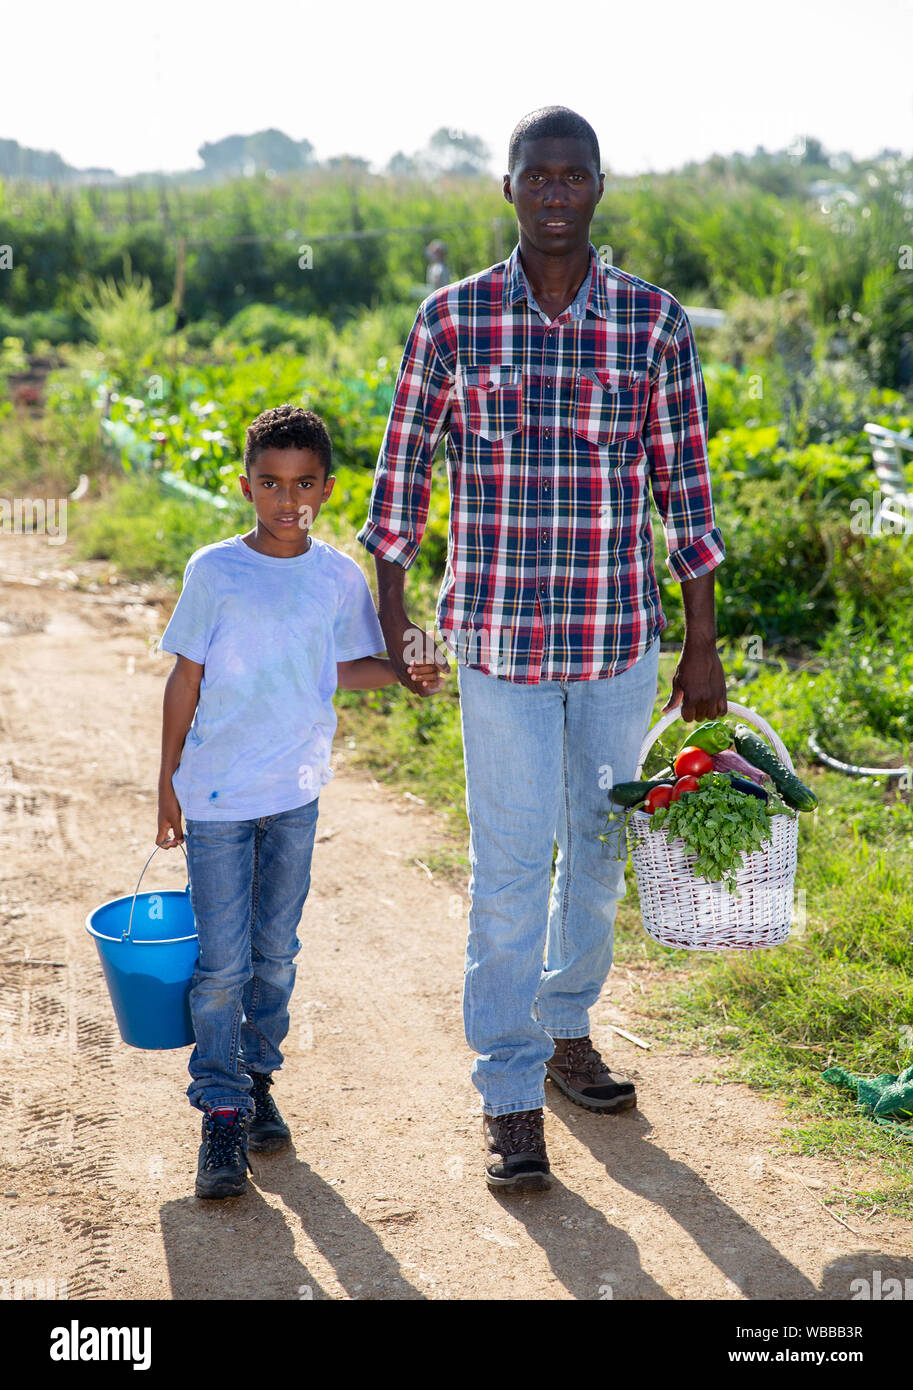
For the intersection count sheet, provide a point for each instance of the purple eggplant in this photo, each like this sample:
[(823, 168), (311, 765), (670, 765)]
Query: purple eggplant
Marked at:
[(734, 762)]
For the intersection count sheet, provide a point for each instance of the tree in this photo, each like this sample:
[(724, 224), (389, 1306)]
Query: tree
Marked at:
[(452, 151), (402, 165), (813, 151), (246, 154), (19, 162), (347, 163), (271, 149), (225, 156)]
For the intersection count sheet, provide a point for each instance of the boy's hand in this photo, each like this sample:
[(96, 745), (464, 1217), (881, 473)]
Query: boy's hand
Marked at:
[(427, 675), (170, 833)]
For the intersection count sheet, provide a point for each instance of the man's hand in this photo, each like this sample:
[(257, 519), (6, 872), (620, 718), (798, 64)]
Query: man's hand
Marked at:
[(417, 660), (170, 833), (419, 663), (699, 684)]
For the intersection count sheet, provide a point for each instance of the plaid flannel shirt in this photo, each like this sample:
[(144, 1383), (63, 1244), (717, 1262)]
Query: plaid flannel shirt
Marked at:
[(556, 432)]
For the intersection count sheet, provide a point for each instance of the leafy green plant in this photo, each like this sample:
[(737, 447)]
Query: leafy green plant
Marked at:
[(125, 324), (863, 704), (270, 327), (718, 825), (776, 580)]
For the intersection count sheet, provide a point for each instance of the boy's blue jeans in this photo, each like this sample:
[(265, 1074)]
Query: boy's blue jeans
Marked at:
[(539, 760), (248, 883)]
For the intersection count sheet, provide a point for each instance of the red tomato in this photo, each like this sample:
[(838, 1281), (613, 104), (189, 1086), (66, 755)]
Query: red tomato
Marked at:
[(684, 784), (692, 762), (659, 796)]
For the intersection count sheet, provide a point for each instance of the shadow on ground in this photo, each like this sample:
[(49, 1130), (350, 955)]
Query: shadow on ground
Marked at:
[(604, 1262), (242, 1247)]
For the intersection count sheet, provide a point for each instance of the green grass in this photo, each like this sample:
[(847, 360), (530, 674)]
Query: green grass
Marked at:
[(145, 532), (44, 456)]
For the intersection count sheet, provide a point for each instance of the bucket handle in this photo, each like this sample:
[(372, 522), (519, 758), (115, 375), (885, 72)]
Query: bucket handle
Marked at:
[(129, 927)]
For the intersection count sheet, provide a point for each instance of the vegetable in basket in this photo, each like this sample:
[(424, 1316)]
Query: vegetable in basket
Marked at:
[(747, 788), (728, 761), (793, 792), (632, 793), (713, 736), (718, 824), (659, 796), (692, 762)]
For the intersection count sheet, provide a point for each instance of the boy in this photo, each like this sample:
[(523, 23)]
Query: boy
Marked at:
[(268, 624)]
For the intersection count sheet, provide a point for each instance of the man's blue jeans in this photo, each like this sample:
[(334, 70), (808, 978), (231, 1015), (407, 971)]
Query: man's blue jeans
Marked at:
[(248, 883), (539, 760)]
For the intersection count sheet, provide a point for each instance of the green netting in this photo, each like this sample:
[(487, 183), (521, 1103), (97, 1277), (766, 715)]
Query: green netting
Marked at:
[(888, 1098)]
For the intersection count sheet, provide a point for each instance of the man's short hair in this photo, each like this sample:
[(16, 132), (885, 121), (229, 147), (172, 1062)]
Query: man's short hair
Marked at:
[(552, 123), (288, 427)]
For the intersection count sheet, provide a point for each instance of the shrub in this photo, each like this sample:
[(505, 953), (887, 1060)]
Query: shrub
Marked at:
[(863, 700), (272, 329), (128, 329), (776, 580)]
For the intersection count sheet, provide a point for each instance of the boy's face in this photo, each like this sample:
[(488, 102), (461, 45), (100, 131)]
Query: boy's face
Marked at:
[(287, 489)]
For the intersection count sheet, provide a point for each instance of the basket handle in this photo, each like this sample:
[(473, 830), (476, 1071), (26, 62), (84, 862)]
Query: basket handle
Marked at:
[(129, 927), (665, 720)]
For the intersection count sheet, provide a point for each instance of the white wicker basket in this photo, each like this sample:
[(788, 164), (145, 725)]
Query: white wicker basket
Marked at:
[(693, 914)]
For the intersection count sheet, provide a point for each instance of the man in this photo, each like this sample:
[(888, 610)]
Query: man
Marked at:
[(568, 390)]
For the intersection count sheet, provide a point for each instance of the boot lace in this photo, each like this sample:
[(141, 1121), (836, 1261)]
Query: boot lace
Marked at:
[(265, 1105), (224, 1143), (582, 1059), (521, 1132)]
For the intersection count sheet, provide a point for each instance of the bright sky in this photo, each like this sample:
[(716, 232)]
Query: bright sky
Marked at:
[(140, 87)]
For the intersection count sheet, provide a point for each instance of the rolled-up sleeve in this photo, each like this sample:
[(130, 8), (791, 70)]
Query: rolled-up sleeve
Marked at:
[(675, 441), (398, 509)]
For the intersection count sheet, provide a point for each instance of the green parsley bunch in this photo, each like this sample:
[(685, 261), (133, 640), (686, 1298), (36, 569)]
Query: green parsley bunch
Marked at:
[(718, 825)]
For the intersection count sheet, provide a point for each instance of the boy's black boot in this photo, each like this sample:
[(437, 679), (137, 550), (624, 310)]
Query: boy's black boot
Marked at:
[(268, 1131), (222, 1164)]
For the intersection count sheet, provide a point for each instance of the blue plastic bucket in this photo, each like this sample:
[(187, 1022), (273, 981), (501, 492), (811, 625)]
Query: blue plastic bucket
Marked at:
[(148, 947)]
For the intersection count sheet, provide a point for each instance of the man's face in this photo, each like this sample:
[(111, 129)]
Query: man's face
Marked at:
[(554, 188)]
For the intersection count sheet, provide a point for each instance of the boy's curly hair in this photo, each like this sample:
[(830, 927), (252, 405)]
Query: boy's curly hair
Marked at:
[(288, 427)]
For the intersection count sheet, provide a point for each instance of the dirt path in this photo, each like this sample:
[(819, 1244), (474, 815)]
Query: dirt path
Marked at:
[(688, 1197)]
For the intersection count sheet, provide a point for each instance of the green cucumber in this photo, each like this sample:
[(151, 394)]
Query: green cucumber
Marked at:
[(633, 793), (762, 756)]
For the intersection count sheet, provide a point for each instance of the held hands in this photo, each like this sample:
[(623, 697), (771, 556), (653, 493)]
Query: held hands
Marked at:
[(418, 661)]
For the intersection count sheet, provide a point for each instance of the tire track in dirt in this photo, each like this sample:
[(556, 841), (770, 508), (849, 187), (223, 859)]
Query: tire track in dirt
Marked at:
[(60, 1033)]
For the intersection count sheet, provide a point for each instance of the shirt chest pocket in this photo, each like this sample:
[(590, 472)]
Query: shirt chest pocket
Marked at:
[(492, 401), (609, 406)]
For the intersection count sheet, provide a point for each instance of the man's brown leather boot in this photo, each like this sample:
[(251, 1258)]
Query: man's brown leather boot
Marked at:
[(577, 1069)]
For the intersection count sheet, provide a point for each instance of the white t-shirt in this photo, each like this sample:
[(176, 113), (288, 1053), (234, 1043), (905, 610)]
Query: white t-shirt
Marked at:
[(269, 632)]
